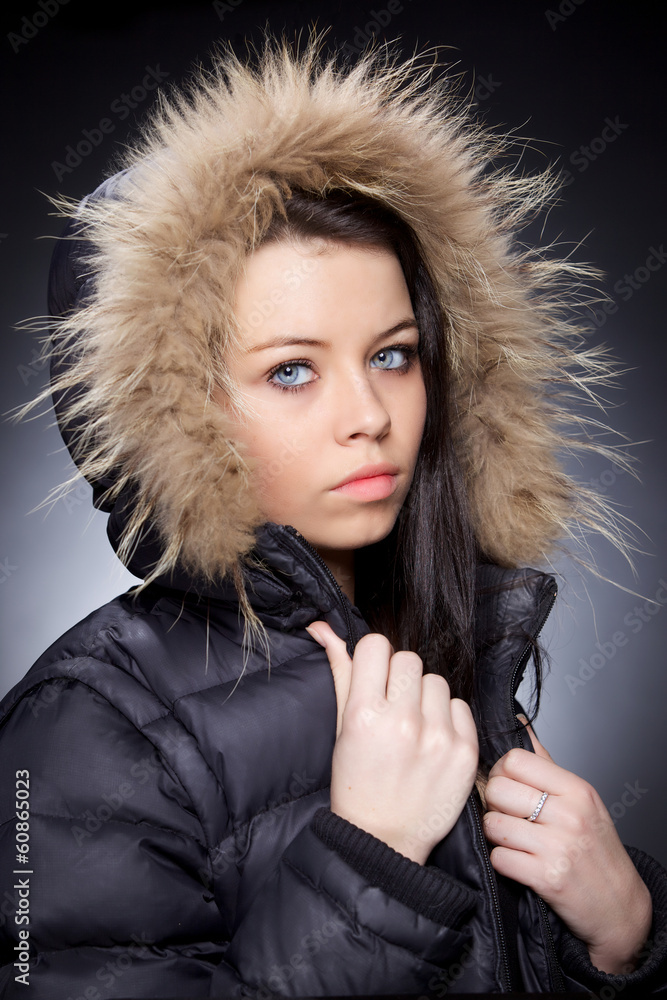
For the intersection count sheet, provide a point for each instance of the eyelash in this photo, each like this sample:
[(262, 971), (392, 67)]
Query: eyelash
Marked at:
[(409, 350)]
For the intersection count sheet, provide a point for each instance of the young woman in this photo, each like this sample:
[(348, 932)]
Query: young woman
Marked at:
[(311, 380)]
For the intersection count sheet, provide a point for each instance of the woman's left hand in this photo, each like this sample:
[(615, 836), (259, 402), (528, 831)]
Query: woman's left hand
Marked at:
[(570, 855)]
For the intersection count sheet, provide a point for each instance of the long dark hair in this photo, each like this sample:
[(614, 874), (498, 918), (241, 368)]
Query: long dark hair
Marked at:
[(417, 586)]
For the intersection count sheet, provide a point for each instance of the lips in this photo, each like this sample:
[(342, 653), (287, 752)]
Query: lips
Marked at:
[(369, 472), (371, 482)]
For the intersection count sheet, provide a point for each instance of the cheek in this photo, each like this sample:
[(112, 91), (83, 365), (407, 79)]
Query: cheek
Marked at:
[(279, 439), (282, 470), (283, 454), (281, 448)]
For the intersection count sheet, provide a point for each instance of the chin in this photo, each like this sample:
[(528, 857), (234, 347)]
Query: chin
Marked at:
[(353, 536)]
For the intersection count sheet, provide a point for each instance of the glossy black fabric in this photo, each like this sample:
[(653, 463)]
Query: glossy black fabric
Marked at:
[(181, 841)]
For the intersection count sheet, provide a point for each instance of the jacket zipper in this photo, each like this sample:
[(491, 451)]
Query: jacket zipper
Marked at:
[(556, 974), (525, 653), (507, 986), (553, 961), (332, 579)]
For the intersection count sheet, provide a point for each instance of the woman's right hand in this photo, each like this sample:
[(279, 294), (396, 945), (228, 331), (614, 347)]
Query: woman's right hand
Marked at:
[(406, 754)]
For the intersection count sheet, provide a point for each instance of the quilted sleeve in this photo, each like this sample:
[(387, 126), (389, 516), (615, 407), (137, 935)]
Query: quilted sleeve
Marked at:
[(343, 914), (109, 900)]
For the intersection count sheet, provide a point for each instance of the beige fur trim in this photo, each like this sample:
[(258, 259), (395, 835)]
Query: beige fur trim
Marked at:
[(207, 177)]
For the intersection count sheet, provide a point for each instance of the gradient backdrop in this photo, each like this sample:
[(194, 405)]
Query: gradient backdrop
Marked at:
[(584, 81)]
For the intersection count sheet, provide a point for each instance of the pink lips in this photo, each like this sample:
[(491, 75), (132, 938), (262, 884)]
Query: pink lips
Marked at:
[(373, 488), (370, 483)]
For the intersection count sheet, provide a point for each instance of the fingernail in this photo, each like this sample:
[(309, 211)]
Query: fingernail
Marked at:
[(522, 718), (316, 635)]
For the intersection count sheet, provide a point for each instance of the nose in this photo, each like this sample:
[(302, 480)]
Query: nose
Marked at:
[(360, 411)]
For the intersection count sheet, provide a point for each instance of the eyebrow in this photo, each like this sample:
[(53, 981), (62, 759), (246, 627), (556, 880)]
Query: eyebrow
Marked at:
[(288, 341)]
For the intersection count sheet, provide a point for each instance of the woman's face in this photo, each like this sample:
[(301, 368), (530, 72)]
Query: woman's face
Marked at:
[(336, 387)]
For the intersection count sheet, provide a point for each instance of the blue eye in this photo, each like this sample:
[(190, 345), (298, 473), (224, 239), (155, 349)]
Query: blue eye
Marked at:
[(390, 358), (290, 375)]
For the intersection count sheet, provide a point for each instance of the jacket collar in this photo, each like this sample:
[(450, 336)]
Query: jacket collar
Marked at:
[(288, 583), (512, 606), (289, 586)]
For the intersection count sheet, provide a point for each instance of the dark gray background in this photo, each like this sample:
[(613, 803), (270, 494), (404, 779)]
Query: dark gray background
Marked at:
[(551, 72)]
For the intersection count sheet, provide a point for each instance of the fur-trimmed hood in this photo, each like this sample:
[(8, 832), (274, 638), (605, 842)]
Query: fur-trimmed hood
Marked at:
[(153, 258)]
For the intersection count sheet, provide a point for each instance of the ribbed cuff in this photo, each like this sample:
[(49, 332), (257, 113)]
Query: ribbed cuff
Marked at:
[(651, 973), (426, 889)]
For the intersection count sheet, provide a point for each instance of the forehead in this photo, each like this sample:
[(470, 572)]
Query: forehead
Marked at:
[(296, 287)]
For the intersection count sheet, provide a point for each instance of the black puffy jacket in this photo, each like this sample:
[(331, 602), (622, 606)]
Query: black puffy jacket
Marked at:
[(180, 838)]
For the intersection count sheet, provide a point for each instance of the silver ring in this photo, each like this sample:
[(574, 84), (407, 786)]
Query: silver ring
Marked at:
[(538, 808)]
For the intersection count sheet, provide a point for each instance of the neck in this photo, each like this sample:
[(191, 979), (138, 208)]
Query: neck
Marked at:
[(341, 564)]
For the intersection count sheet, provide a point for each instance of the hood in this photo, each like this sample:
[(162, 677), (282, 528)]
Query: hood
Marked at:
[(142, 290)]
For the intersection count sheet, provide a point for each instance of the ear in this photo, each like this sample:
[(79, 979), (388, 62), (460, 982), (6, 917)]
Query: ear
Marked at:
[(537, 746)]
